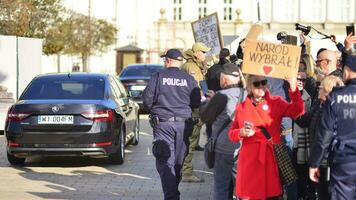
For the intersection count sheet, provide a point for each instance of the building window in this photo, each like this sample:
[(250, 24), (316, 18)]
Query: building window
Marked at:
[(177, 10), (227, 10), (341, 11), (202, 9), (312, 10), (265, 10), (285, 10)]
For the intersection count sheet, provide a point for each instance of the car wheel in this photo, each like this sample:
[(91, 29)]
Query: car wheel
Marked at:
[(118, 156), (136, 138), (13, 160)]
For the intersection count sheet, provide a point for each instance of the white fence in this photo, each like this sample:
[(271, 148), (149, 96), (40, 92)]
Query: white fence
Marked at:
[(20, 61)]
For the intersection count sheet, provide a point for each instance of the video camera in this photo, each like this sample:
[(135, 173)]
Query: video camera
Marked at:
[(304, 29), (282, 35), (286, 39)]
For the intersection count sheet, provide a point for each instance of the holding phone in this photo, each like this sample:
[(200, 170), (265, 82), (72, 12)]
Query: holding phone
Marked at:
[(350, 29), (247, 130), (248, 125)]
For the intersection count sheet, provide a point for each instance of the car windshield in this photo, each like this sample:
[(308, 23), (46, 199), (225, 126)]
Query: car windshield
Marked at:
[(74, 88), (143, 70)]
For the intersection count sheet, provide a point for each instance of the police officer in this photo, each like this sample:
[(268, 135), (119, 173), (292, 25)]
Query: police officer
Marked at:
[(338, 135), (170, 96)]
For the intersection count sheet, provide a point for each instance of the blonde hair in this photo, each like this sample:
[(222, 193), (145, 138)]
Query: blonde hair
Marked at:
[(249, 78), (328, 83), (309, 64)]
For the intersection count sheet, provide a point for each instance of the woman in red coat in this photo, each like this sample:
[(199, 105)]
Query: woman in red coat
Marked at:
[(257, 170)]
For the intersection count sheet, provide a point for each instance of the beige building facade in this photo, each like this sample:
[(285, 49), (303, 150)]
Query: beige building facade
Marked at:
[(173, 27), (156, 25)]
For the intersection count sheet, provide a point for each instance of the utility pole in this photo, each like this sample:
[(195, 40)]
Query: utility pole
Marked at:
[(116, 26), (258, 11), (86, 68)]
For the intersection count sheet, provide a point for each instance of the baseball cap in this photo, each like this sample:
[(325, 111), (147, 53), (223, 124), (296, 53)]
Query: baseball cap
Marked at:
[(174, 54), (351, 62), (200, 47), (230, 69)]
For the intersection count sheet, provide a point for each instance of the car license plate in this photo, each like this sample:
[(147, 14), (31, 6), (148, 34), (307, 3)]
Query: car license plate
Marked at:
[(138, 87), (55, 119)]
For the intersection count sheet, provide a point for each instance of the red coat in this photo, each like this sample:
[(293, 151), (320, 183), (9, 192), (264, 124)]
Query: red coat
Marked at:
[(257, 170)]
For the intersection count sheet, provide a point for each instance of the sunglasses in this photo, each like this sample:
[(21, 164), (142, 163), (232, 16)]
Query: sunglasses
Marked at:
[(258, 83), (302, 79)]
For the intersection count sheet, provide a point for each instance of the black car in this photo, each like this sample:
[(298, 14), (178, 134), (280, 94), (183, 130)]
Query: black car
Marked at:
[(135, 78), (76, 114)]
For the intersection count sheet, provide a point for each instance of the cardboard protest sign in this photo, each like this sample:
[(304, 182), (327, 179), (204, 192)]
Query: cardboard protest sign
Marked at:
[(254, 32), (271, 59), (207, 31)]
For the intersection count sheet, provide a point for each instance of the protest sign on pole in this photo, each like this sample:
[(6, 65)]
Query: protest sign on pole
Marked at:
[(254, 32), (271, 59), (207, 31)]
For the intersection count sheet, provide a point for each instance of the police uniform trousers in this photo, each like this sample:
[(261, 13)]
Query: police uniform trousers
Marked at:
[(343, 181), (170, 149)]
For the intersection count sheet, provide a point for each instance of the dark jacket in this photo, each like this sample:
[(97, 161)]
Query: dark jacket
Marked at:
[(171, 93), (337, 127), (314, 128), (300, 132), (212, 77), (223, 143), (337, 72)]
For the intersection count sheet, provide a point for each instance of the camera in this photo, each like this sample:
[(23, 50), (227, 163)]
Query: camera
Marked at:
[(282, 35), (304, 29), (287, 39)]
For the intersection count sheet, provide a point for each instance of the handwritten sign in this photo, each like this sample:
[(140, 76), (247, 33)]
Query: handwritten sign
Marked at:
[(254, 32), (207, 31), (271, 59)]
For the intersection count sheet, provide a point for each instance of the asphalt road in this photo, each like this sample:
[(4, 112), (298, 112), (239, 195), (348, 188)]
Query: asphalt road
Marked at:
[(93, 178)]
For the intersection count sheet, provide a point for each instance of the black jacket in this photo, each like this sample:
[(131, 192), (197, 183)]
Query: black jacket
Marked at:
[(171, 93), (337, 127), (213, 75)]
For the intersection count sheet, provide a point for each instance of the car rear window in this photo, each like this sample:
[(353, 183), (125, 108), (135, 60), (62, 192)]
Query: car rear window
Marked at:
[(89, 88), (140, 70)]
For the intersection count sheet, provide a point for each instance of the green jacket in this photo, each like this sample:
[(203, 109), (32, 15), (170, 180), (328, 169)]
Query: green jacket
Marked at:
[(192, 66)]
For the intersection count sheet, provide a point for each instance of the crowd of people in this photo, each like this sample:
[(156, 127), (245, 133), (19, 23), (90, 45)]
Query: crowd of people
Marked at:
[(313, 114)]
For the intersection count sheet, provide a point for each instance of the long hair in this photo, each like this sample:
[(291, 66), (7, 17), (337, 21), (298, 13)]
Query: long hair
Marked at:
[(239, 52)]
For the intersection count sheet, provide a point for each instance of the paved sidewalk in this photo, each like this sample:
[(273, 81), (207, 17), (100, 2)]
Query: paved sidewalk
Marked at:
[(83, 178)]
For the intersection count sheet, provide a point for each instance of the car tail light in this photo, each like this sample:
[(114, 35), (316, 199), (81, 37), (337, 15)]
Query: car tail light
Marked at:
[(103, 115), (12, 144), (16, 116), (101, 144)]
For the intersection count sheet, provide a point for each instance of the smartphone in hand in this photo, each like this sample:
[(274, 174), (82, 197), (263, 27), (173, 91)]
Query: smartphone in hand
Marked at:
[(248, 125), (350, 29)]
